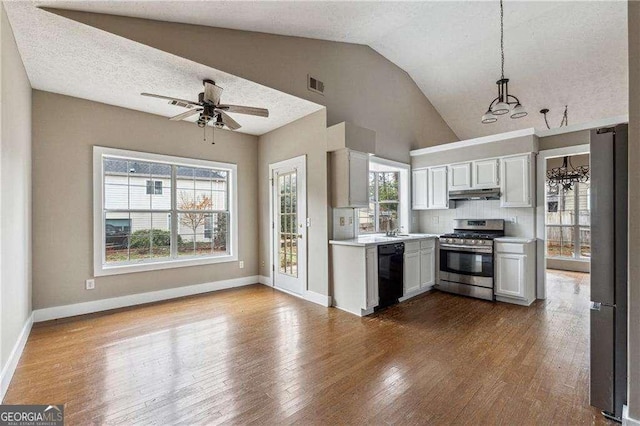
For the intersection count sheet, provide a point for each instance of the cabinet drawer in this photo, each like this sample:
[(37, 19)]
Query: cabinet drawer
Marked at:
[(426, 244), (411, 246), (510, 248)]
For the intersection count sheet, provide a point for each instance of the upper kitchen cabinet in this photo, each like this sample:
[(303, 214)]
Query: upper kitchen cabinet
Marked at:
[(460, 176), (349, 179), (516, 181), (437, 190), (419, 180), (430, 190), (485, 173)]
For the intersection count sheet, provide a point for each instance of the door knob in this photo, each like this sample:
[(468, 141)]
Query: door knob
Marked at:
[(300, 236)]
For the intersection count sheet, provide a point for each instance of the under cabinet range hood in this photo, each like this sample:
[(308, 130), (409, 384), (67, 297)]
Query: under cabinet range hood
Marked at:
[(475, 194)]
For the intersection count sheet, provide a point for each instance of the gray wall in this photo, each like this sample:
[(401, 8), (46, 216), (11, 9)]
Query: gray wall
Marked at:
[(15, 193), (362, 86), (64, 131), (307, 136), (567, 139), (634, 208)]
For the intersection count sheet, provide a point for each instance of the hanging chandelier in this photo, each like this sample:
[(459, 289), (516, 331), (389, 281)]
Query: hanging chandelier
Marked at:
[(566, 176), (502, 104)]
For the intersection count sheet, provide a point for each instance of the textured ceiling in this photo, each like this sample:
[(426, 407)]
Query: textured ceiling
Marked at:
[(63, 56), (557, 53)]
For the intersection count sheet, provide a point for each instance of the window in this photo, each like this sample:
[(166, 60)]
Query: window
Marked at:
[(384, 203), (568, 222), (154, 187), (155, 212)]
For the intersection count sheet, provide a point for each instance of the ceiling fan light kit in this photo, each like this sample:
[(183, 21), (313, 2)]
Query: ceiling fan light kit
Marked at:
[(501, 105)]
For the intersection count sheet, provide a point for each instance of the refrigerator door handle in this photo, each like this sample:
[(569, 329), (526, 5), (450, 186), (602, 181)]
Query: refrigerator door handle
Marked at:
[(596, 306)]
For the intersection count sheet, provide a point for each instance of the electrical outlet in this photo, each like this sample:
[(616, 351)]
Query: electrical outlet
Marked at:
[(90, 284), (241, 264), (263, 263), (341, 220), (435, 220), (350, 220), (513, 219)]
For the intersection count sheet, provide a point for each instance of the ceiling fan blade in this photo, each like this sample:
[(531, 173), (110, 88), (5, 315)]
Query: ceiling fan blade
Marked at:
[(170, 98), (229, 122), (239, 109), (185, 114), (212, 93)]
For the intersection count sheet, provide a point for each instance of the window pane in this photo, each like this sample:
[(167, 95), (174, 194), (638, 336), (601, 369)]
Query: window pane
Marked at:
[(141, 236), (160, 236), (220, 233), (366, 218), (116, 184), (117, 234), (560, 241), (585, 242), (387, 217), (372, 186), (388, 186)]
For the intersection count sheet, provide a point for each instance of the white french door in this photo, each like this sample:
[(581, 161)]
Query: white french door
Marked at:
[(289, 224)]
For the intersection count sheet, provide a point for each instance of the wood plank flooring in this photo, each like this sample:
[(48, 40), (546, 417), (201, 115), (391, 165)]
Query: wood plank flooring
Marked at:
[(255, 355)]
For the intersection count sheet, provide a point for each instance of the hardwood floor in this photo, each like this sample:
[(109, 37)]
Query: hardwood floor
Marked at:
[(255, 355)]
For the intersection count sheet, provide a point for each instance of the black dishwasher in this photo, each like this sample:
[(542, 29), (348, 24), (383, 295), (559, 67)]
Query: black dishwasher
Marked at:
[(390, 273)]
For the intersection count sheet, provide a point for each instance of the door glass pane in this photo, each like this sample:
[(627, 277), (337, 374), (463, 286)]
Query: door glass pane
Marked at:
[(288, 253), (560, 241)]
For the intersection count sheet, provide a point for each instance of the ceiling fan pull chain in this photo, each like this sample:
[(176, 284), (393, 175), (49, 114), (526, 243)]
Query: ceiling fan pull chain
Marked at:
[(213, 135)]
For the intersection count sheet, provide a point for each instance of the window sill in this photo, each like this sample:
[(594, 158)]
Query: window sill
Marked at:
[(103, 270)]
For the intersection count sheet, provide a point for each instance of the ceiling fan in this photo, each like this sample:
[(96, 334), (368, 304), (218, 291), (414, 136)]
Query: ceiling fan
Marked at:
[(210, 108)]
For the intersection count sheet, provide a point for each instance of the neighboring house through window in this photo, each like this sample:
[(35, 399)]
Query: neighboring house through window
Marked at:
[(155, 212)]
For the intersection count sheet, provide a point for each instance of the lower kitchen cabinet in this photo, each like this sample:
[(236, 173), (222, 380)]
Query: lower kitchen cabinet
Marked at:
[(419, 267), (372, 277), (411, 272), (427, 266), (515, 274)]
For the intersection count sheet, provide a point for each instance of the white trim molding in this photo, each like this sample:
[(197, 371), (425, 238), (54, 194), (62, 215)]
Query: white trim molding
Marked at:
[(265, 280), (65, 311), (14, 357), (317, 298), (626, 420)]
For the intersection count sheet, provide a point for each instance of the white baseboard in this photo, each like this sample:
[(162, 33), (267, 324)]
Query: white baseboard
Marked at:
[(626, 420), (317, 298), (14, 357), (265, 280), (416, 293), (57, 312)]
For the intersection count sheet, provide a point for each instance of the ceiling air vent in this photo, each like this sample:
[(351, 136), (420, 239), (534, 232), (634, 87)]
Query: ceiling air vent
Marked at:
[(315, 85)]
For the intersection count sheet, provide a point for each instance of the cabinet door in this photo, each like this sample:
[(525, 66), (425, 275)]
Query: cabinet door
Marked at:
[(358, 179), (515, 174), (438, 192), (460, 176), (372, 278), (427, 267), (411, 272), (485, 173), (419, 189), (510, 275)]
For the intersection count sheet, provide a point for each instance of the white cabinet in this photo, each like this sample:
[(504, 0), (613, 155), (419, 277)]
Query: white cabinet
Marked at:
[(485, 173), (429, 188), (516, 181), (460, 176), (411, 272), (350, 179), (419, 189), (515, 274), (372, 277), (437, 190), (427, 267)]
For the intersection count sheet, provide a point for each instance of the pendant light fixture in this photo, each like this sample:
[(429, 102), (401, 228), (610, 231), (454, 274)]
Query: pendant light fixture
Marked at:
[(502, 104)]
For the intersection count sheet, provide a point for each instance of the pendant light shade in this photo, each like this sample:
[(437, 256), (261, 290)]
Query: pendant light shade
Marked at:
[(488, 118), (501, 108), (518, 111)]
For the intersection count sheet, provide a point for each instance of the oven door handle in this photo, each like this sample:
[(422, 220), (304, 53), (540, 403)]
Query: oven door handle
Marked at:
[(473, 249)]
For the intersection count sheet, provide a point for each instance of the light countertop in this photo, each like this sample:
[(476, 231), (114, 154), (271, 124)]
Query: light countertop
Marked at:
[(517, 240), (369, 240)]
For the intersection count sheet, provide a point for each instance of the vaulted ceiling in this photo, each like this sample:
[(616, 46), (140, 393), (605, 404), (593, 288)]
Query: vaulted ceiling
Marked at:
[(557, 53)]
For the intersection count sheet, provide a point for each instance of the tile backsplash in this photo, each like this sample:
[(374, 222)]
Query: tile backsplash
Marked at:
[(441, 221)]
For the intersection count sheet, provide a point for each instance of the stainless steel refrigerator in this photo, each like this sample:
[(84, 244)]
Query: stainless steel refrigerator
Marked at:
[(609, 184)]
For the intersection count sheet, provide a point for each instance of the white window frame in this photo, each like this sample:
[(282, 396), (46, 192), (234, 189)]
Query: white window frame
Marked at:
[(101, 268)]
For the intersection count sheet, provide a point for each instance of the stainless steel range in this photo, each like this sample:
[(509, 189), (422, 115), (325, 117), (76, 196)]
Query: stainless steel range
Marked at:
[(466, 257)]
